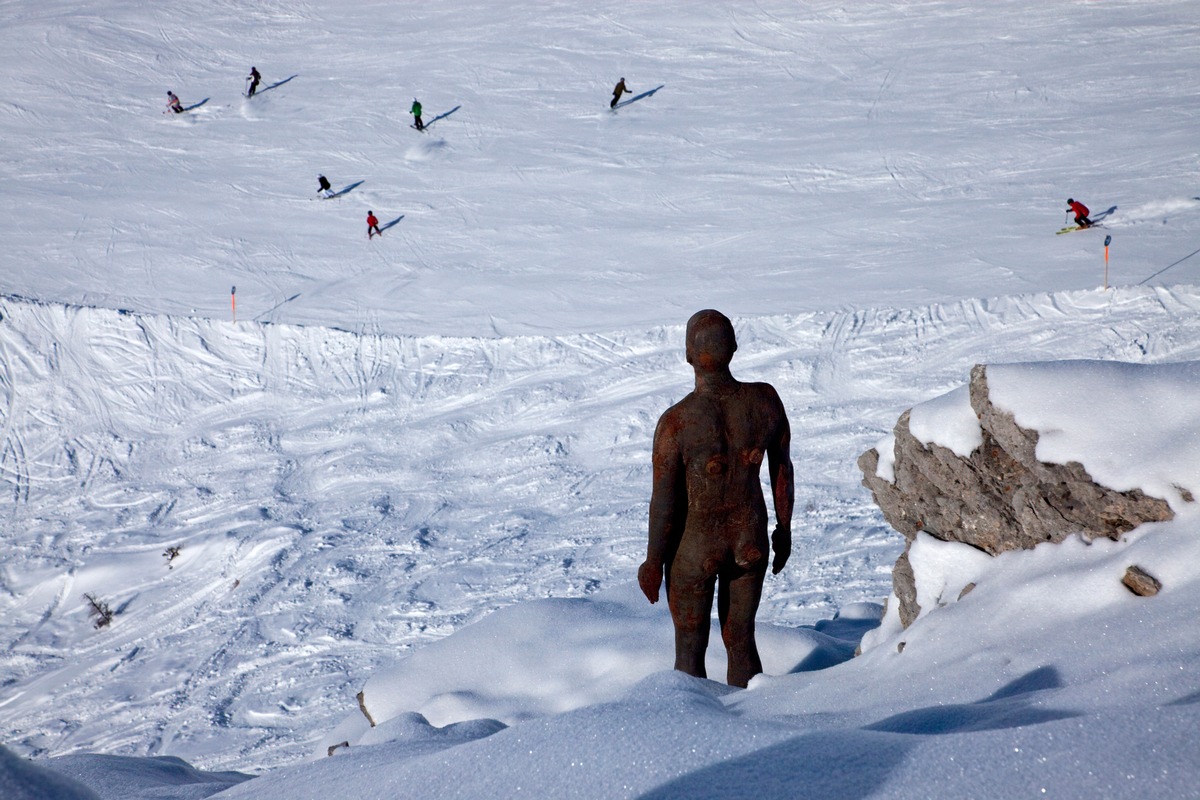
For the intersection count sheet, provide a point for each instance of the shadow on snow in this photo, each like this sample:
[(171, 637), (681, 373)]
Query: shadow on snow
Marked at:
[(443, 115), (346, 190), (844, 636), (275, 84), (1010, 707), (854, 764), (635, 98), (846, 765), (277, 305)]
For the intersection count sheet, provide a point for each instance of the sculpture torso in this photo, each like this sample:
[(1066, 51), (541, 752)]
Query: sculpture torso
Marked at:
[(720, 441)]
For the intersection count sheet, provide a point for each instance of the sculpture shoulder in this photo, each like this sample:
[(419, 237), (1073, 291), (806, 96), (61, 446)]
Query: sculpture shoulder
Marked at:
[(672, 419), (678, 408), (769, 407), (764, 393)]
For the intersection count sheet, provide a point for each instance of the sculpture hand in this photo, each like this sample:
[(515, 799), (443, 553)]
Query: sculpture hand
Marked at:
[(650, 575), (781, 542)]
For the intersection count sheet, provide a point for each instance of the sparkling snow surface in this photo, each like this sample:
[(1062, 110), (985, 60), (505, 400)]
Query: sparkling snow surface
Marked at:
[(419, 465)]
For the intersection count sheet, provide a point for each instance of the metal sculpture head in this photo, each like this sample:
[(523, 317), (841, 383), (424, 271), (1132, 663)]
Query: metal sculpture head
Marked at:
[(710, 340)]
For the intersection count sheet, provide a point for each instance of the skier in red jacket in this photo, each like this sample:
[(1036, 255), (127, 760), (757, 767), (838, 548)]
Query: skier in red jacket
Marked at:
[(1081, 213), (372, 225)]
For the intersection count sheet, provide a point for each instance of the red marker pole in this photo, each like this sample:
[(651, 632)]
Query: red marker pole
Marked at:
[(233, 302), (1107, 240)]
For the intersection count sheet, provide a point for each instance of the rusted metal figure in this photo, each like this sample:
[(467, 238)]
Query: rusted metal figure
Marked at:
[(708, 518)]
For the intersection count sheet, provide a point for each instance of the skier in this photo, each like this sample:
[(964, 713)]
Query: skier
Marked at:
[(1081, 213), (173, 103), (323, 187), (254, 79), (372, 225), (618, 90), (416, 112)]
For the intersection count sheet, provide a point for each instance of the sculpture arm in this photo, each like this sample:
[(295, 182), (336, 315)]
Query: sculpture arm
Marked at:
[(666, 525), (783, 491)]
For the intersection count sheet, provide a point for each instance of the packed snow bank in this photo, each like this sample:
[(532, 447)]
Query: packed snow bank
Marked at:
[(550, 656), (126, 778), (21, 779), (1132, 426), (1049, 678)]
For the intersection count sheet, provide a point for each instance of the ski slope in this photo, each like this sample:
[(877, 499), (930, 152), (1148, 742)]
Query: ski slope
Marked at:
[(399, 437), (795, 158)]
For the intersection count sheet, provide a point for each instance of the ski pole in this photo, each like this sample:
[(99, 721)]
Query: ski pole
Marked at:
[(233, 303)]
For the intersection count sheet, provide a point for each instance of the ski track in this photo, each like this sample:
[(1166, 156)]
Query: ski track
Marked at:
[(340, 498)]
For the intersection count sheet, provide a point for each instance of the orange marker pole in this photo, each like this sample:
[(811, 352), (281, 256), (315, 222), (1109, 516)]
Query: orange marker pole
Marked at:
[(1107, 240), (233, 303)]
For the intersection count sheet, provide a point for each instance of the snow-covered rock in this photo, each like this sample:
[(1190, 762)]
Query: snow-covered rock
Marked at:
[(1007, 463)]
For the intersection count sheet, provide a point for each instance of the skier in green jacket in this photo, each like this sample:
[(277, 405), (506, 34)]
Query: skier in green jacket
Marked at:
[(416, 112)]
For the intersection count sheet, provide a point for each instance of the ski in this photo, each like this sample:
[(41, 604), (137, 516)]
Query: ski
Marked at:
[(1070, 228)]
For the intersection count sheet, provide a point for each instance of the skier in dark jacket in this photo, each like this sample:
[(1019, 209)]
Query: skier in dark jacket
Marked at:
[(254, 79), (173, 103), (618, 90), (323, 187), (1081, 213)]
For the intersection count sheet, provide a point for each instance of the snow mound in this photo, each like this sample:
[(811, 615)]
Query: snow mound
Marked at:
[(545, 657), (1132, 426)]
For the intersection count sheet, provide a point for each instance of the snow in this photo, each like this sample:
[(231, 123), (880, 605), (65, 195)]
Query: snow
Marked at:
[(418, 467), (1131, 426), (948, 421)]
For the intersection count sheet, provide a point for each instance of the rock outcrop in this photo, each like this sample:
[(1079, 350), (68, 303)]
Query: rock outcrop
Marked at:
[(998, 498)]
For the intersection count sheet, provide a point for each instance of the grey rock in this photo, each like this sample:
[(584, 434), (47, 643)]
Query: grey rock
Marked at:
[(999, 498), (904, 584)]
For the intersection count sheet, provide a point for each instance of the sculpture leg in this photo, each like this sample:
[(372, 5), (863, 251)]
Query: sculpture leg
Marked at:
[(739, 593), (690, 598)]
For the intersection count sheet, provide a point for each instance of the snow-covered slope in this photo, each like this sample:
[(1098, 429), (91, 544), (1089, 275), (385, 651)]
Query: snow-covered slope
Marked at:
[(339, 499), (399, 437), (797, 157)]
